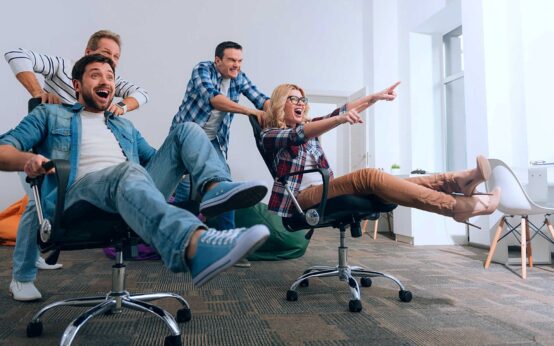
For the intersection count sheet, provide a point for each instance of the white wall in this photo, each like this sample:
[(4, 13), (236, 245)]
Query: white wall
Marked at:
[(315, 43), (508, 69)]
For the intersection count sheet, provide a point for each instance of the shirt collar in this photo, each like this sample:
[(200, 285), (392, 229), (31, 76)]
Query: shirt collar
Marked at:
[(77, 107), (217, 73)]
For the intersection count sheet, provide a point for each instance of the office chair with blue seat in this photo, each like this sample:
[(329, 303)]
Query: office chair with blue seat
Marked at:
[(338, 212), (84, 226)]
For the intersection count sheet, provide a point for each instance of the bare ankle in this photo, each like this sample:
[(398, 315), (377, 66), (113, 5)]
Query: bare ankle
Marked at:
[(191, 248)]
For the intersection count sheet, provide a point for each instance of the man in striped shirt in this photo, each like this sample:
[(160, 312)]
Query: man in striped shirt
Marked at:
[(56, 70), (58, 88)]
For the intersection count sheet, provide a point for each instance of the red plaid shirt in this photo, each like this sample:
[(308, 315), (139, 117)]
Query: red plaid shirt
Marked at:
[(289, 148)]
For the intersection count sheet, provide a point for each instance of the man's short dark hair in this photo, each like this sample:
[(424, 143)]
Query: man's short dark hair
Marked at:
[(224, 45), (81, 65)]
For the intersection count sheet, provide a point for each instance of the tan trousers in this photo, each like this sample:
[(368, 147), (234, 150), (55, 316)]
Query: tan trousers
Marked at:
[(430, 193)]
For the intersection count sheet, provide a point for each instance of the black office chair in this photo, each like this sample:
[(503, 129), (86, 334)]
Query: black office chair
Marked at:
[(339, 212), (84, 226)]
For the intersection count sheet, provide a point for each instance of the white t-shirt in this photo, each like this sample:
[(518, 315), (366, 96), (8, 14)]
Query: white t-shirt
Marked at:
[(99, 148), (310, 179), (214, 122)]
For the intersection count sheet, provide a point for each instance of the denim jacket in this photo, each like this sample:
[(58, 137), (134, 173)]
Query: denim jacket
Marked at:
[(54, 131)]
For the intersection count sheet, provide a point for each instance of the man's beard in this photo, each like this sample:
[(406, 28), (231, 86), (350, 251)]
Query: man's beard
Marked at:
[(93, 105)]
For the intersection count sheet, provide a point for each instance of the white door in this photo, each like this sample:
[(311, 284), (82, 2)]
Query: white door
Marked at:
[(359, 138)]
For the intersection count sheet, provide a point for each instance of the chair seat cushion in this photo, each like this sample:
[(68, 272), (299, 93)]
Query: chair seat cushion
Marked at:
[(85, 224), (344, 209)]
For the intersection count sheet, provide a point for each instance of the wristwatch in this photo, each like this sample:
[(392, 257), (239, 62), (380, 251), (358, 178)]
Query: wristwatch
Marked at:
[(123, 106)]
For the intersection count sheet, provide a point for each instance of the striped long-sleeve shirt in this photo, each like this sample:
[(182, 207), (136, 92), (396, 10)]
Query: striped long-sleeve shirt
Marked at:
[(57, 75)]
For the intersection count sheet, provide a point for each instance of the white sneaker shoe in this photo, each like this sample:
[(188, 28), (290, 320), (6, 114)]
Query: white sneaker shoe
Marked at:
[(41, 264), (24, 291)]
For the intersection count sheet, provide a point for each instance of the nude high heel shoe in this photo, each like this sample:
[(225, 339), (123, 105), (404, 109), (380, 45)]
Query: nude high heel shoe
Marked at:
[(467, 181), (467, 207)]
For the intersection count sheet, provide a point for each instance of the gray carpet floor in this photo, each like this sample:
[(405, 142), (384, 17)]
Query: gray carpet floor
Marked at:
[(456, 301)]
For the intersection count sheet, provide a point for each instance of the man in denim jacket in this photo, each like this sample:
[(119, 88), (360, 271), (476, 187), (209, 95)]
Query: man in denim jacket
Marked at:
[(114, 168)]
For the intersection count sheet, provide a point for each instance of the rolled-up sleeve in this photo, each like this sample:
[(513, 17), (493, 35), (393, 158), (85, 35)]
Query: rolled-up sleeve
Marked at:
[(23, 60), (124, 88), (251, 92)]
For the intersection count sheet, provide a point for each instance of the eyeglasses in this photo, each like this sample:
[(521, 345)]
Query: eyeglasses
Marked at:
[(296, 100)]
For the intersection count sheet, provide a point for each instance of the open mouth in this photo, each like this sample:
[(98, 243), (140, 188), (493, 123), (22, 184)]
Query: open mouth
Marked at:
[(298, 111), (103, 93)]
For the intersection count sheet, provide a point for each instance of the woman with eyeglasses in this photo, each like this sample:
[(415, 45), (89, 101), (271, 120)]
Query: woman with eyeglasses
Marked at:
[(291, 138)]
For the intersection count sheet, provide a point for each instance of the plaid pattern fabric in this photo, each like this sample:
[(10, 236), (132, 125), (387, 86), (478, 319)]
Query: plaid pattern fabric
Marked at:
[(204, 84), (289, 149)]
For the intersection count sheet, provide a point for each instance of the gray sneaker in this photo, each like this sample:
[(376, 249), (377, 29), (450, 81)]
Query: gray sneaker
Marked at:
[(219, 250)]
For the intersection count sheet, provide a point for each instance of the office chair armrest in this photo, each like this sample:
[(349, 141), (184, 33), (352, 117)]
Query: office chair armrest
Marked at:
[(61, 176), (324, 175)]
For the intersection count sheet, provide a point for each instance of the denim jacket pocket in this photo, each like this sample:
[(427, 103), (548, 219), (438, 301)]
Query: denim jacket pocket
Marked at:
[(61, 139)]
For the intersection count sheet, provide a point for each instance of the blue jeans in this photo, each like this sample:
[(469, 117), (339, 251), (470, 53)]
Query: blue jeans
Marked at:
[(26, 251), (183, 193), (139, 195)]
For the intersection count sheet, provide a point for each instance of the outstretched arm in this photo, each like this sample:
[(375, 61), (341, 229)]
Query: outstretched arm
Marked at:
[(388, 94), (317, 128)]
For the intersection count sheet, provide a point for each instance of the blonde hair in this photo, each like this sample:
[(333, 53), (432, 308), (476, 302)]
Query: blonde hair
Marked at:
[(92, 43), (275, 116)]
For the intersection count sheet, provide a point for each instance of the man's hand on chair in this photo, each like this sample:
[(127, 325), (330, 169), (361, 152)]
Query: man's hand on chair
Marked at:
[(33, 167)]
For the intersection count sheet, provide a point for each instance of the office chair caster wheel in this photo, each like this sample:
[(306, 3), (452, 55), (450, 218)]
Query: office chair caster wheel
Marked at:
[(365, 282), (34, 329), (355, 305), (304, 283), (405, 296), (183, 315), (292, 296), (173, 340)]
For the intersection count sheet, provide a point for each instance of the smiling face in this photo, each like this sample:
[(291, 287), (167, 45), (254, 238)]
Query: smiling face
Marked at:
[(294, 113), (229, 65), (108, 48), (97, 87)]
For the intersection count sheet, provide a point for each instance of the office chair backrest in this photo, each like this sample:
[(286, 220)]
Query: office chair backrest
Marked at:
[(32, 103), (257, 130), (513, 198)]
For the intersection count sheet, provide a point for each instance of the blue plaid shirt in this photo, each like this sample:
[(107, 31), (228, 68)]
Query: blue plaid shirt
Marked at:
[(204, 84)]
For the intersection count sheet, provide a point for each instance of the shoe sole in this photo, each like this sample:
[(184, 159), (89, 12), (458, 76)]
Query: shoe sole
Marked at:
[(237, 198), (252, 239)]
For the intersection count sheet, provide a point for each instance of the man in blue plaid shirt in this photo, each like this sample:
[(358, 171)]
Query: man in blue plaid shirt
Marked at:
[(211, 100)]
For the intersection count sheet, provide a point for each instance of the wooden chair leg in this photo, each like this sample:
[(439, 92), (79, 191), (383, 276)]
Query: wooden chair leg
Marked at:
[(529, 249), (364, 225), (494, 242), (523, 248), (375, 227)]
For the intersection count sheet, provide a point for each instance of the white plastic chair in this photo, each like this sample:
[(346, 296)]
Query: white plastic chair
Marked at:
[(514, 201)]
